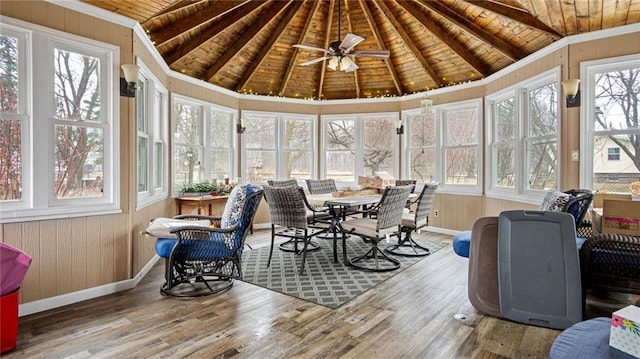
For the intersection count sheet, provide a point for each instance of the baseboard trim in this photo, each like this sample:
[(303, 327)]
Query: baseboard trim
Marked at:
[(440, 230), (85, 294)]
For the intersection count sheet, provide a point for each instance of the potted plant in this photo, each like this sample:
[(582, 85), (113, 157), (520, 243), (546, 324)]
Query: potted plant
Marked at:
[(200, 188)]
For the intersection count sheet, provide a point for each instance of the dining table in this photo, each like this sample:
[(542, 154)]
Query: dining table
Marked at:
[(338, 206), (338, 209)]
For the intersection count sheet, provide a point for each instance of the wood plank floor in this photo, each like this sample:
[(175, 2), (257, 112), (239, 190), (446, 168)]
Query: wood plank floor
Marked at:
[(411, 315)]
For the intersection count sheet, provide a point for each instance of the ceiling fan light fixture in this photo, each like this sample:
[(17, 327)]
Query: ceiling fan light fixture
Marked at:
[(333, 63)]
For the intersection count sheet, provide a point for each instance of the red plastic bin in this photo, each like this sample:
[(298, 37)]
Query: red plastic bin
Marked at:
[(9, 320)]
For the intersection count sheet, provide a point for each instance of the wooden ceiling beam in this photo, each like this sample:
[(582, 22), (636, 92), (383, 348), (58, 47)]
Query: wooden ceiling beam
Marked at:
[(209, 32), (296, 52), (178, 5), (417, 12), (327, 41), (517, 14), (265, 17), (213, 12), (356, 79), (408, 42), (378, 37), (294, 6), (508, 50)]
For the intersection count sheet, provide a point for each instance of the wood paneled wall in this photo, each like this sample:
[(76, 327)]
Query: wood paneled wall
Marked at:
[(74, 254)]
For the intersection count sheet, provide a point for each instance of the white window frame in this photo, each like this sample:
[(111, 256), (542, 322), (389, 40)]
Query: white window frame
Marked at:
[(37, 202), (588, 69), (406, 136), (279, 148), (360, 122), (491, 154), (156, 103), (441, 111), (204, 135), (520, 90)]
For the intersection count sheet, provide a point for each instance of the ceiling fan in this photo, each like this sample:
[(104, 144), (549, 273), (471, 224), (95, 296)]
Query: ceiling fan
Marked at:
[(339, 52)]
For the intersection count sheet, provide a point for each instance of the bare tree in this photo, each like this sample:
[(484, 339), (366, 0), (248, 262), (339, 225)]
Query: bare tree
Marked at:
[(77, 95), (618, 92), (10, 130)]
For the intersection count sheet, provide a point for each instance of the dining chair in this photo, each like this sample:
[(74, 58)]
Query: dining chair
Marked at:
[(289, 212), (321, 186), (412, 222), (211, 253), (373, 230), (316, 214), (283, 183), (411, 183)]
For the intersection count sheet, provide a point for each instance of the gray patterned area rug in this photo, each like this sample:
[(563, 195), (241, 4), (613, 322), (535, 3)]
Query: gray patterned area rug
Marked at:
[(324, 281)]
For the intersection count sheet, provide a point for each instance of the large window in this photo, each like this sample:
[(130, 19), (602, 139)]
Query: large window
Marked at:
[(445, 146), (278, 146), (61, 160), (203, 142), (358, 145), (421, 154), (461, 144), (611, 137), (522, 137), (151, 116)]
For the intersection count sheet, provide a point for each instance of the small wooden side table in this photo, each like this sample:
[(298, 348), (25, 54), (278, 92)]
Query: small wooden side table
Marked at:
[(200, 202)]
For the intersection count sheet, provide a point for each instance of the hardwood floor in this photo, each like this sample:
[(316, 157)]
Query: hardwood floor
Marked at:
[(411, 315)]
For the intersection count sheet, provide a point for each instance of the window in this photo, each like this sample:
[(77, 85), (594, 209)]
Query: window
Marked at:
[(421, 158), (522, 135), (613, 154), (151, 117), (461, 150), (203, 142), (611, 137), (359, 145), (444, 146), (278, 146), (60, 162)]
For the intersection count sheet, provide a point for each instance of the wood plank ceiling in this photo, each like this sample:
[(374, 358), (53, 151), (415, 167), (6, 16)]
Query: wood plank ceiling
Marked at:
[(246, 45)]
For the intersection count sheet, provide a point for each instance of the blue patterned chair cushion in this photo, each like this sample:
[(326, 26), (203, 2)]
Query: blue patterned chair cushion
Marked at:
[(555, 201), (232, 213)]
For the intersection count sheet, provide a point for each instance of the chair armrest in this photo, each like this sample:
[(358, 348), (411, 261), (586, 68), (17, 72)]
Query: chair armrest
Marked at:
[(200, 232), (214, 220)]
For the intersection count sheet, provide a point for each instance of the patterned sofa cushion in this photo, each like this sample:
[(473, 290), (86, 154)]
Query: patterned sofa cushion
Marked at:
[(555, 201)]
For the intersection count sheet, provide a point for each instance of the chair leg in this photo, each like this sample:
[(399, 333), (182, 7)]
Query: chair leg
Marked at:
[(378, 257), (273, 238), (304, 252), (416, 250)]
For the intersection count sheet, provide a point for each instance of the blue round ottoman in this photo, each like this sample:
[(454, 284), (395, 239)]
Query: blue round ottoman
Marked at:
[(587, 339), (462, 243)]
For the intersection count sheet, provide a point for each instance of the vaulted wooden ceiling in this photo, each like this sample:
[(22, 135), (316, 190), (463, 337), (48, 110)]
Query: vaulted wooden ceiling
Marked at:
[(247, 45)]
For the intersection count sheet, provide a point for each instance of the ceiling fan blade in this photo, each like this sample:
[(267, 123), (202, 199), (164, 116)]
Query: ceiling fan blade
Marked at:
[(381, 54), (307, 47), (350, 42), (314, 61)]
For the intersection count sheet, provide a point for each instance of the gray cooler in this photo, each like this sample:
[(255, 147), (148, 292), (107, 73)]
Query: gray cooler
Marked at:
[(539, 269)]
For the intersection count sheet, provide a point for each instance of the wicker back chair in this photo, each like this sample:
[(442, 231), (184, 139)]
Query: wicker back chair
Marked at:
[(411, 183), (611, 262), (413, 221), (283, 183), (289, 211), (321, 186), (387, 223), (212, 256), (579, 205)]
